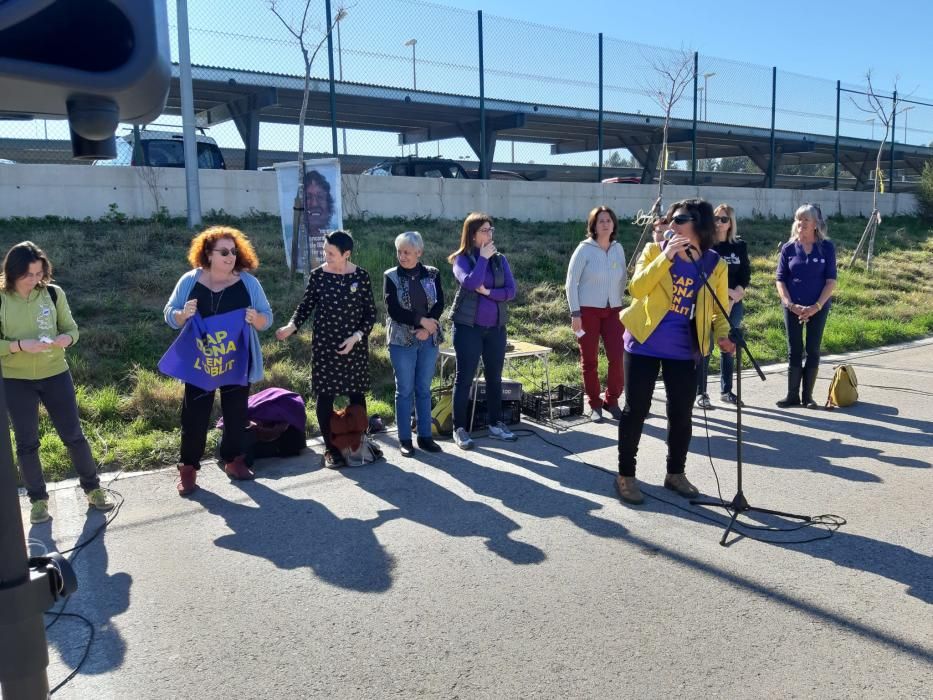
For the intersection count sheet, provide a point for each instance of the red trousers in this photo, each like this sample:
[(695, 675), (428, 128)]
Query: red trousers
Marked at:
[(605, 324)]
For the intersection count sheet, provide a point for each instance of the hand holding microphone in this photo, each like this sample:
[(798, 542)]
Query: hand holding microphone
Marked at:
[(677, 244)]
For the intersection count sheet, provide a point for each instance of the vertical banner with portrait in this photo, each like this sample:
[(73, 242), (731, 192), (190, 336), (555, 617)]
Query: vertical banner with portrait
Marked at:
[(322, 213)]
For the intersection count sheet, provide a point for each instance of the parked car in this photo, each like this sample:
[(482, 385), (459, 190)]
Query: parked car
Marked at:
[(7, 161), (623, 180), (414, 166), (164, 149), (501, 175)]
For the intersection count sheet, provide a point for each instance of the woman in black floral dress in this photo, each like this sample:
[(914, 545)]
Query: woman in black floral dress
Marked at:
[(340, 296)]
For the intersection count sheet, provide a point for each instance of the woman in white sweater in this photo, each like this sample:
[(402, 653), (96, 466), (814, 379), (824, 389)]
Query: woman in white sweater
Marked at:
[(595, 284)]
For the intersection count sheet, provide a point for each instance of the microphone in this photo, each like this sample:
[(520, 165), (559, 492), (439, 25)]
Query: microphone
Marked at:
[(669, 234)]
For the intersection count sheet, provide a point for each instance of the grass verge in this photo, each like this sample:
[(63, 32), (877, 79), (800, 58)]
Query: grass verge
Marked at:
[(118, 275)]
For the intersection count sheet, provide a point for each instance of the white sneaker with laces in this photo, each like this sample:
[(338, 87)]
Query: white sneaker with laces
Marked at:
[(499, 431), (463, 439)]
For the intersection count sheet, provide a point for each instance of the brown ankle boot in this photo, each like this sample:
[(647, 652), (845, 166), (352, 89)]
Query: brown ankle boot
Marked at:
[(627, 487), (188, 475), (680, 484), (238, 470)]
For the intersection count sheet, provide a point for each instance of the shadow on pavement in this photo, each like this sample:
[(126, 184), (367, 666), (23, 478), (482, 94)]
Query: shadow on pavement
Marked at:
[(297, 533), (420, 500), (100, 598)]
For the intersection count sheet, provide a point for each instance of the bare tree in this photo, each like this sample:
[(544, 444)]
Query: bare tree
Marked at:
[(879, 107), (672, 75), (300, 29)]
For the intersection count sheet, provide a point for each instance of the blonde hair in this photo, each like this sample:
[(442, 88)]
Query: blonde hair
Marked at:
[(812, 212), (733, 226)]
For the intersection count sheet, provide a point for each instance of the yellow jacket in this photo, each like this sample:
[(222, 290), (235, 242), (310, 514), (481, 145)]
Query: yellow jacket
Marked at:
[(652, 291)]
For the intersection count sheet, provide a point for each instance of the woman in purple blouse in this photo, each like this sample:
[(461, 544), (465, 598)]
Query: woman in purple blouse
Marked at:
[(806, 279), (479, 313)]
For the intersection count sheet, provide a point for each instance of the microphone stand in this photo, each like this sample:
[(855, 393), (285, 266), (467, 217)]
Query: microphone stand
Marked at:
[(739, 503)]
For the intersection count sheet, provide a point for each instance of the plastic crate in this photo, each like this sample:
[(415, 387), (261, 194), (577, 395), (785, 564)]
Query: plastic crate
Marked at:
[(566, 401), (510, 414)]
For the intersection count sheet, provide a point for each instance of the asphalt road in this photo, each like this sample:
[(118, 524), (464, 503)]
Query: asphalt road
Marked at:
[(513, 571)]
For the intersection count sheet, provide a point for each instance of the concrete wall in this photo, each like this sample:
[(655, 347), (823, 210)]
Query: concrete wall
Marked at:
[(78, 192)]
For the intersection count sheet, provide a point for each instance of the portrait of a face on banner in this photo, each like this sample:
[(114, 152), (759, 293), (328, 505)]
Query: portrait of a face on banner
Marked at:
[(322, 213)]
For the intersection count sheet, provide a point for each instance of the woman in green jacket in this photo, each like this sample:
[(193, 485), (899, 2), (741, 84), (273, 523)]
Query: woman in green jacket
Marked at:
[(35, 328)]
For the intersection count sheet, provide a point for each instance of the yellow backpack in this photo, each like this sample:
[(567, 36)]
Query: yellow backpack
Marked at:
[(442, 415), (843, 390)]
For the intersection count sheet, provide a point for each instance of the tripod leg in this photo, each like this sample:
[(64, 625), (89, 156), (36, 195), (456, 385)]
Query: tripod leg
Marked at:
[(725, 535)]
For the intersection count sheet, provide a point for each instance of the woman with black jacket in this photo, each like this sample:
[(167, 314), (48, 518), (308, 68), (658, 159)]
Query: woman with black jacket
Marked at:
[(734, 251), (414, 302)]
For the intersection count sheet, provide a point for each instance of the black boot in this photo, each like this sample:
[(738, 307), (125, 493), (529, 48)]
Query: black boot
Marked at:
[(809, 381), (794, 375)]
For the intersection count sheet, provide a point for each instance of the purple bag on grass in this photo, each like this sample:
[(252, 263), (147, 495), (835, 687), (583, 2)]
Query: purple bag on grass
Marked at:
[(210, 352)]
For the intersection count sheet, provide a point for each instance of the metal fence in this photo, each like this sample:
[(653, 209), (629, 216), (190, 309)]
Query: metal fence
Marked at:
[(411, 44)]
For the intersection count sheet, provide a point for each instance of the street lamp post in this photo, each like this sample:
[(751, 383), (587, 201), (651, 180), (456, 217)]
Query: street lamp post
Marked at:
[(414, 73), (701, 92), (906, 110), (706, 77), (872, 120)]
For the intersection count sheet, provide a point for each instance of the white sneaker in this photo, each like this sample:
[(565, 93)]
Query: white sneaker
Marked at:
[(499, 431), (596, 415), (463, 439)]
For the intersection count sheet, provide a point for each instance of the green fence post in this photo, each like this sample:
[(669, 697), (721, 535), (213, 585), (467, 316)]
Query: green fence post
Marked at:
[(771, 168), (693, 138), (836, 144)]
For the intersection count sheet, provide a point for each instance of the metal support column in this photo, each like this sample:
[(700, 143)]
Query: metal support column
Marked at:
[(192, 186)]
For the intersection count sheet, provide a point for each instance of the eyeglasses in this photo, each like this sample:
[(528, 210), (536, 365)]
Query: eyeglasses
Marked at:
[(224, 252), (723, 219), (683, 219), (491, 230)]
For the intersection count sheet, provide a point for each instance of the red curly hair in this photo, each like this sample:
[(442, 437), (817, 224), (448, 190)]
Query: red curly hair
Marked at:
[(203, 244)]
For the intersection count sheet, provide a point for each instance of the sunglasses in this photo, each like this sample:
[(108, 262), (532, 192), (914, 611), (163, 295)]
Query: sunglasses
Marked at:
[(683, 219), (224, 252), (723, 219)]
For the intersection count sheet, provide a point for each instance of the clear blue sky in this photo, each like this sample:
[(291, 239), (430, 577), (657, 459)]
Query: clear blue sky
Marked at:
[(832, 39)]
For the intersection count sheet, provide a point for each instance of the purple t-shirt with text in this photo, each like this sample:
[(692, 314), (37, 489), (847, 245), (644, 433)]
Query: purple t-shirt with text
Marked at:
[(672, 338)]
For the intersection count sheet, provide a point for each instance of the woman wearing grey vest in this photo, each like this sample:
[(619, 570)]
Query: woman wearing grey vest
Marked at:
[(414, 301), (479, 313)]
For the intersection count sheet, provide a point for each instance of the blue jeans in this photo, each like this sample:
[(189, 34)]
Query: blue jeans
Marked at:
[(470, 344), (414, 369), (726, 359)]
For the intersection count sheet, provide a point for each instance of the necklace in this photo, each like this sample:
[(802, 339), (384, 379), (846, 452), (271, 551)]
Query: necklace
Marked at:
[(220, 296)]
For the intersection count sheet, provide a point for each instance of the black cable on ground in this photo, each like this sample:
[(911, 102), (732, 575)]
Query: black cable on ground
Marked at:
[(74, 552)]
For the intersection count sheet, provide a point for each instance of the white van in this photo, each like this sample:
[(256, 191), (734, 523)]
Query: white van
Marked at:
[(165, 149)]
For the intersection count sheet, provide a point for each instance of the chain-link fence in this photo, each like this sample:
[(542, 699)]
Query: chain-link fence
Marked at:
[(411, 78)]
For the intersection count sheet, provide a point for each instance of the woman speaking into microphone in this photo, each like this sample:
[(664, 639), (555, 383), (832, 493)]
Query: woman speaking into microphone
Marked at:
[(668, 326)]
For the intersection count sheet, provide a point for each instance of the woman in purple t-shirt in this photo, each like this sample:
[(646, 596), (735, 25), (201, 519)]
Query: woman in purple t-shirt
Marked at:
[(806, 279), (479, 312), (668, 325)]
